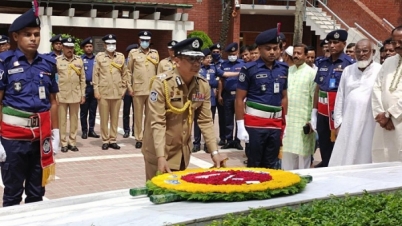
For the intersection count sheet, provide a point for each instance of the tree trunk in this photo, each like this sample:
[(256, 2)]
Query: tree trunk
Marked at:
[(226, 17), (298, 31)]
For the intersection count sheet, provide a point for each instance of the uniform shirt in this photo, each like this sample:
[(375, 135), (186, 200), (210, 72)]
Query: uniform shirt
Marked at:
[(230, 83), (21, 80), (209, 73), (71, 82), (318, 60), (264, 85), (166, 65), (327, 70), (53, 54), (142, 67), (88, 67), (110, 82), (169, 134)]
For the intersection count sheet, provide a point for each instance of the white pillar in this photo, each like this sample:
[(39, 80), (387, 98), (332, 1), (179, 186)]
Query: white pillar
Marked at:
[(45, 34), (180, 32)]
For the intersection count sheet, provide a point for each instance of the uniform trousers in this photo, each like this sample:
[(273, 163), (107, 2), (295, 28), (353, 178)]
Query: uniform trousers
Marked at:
[(197, 130), (291, 161), (72, 110), (263, 147), (109, 109), (88, 111), (22, 165), (324, 139), (140, 102), (221, 120), (229, 105), (127, 104)]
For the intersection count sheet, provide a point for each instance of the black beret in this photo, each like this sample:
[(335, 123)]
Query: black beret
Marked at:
[(110, 38), (68, 41), (282, 36), (130, 47), (4, 39), (206, 52), (340, 35), (171, 44), (28, 19), (56, 38), (323, 42), (232, 47), (189, 47), (86, 41), (146, 35), (269, 36), (215, 46)]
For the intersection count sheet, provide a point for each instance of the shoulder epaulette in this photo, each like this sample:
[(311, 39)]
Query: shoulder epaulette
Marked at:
[(100, 54), (153, 50), (249, 64), (283, 64), (48, 58), (119, 53), (199, 77), (5, 55)]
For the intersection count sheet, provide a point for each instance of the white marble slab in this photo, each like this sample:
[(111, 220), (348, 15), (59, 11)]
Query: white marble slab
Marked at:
[(119, 208)]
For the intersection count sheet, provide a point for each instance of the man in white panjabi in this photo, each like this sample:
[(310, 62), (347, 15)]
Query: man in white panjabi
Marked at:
[(387, 106), (354, 121)]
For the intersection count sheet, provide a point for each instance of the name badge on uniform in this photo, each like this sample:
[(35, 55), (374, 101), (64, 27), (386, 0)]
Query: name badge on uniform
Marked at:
[(208, 76), (15, 71), (332, 83), (178, 81), (42, 92), (276, 87)]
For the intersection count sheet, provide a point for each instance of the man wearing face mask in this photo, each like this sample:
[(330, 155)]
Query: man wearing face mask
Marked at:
[(227, 94), (168, 64), (216, 64), (142, 63), (111, 79), (72, 93)]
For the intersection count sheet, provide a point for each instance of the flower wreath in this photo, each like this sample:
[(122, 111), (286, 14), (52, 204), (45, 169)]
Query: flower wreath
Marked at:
[(224, 184)]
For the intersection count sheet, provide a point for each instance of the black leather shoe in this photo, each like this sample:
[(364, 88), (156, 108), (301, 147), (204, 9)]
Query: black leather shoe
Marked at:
[(222, 142), (114, 146), (69, 147), (105, 146), (84, 135), (93, 134), (238, 146), (228, 145), (74, 148), (138, 144), (126, 134), (196, 148), (205, 148), (64, 149), (132, 133)]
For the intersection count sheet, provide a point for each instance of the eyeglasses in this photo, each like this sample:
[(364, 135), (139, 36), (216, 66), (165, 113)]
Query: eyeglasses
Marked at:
[(361, 52), (394, 42), (193, 59)]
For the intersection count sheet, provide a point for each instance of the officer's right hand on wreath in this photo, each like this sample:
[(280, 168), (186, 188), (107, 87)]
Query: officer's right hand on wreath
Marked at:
[(3, 155), (219, 160), (163, 166), (241, 131)]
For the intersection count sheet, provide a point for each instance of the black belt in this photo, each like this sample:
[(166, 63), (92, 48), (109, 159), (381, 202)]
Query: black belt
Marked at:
[(89, 83)]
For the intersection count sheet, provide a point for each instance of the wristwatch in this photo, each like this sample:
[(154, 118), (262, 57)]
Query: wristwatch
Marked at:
[(214, 153), (387, 115)]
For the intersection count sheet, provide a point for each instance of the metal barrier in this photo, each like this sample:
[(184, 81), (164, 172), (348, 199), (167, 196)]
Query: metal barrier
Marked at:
[(379, 44), (386, 22)]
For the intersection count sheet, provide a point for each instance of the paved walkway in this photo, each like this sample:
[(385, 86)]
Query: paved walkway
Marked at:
[(95, 170)]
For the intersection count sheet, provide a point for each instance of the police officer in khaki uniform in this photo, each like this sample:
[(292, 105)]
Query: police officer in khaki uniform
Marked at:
[(142, 63), (176, 98), (71, 94), (111, 80), (168, 64)]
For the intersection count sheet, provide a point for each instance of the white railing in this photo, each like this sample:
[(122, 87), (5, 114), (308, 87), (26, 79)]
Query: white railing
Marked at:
[(384, 21), (379, 44), (333, 14)]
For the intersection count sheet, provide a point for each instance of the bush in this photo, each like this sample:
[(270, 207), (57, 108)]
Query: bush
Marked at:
[(207, 42), (77, 48), (369, 209)]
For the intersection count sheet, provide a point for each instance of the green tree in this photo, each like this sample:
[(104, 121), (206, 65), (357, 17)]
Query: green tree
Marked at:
[(77, 48), (207, 42)]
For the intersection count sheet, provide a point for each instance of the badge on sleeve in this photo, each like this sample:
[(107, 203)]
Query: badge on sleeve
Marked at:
[(242, 77), (1, 74), (153, 97)]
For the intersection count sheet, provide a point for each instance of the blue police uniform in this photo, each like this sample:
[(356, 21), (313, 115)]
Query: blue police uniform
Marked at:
[(209, 73), (128, 104), (4, 39), (56, 38), (88, 109), (22, 83), (328, 77), (320, 58), (228, 95), (264, 86), (216, 64)]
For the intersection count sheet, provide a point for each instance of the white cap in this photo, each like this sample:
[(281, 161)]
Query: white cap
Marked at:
[(110, 41), (289, 50)]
